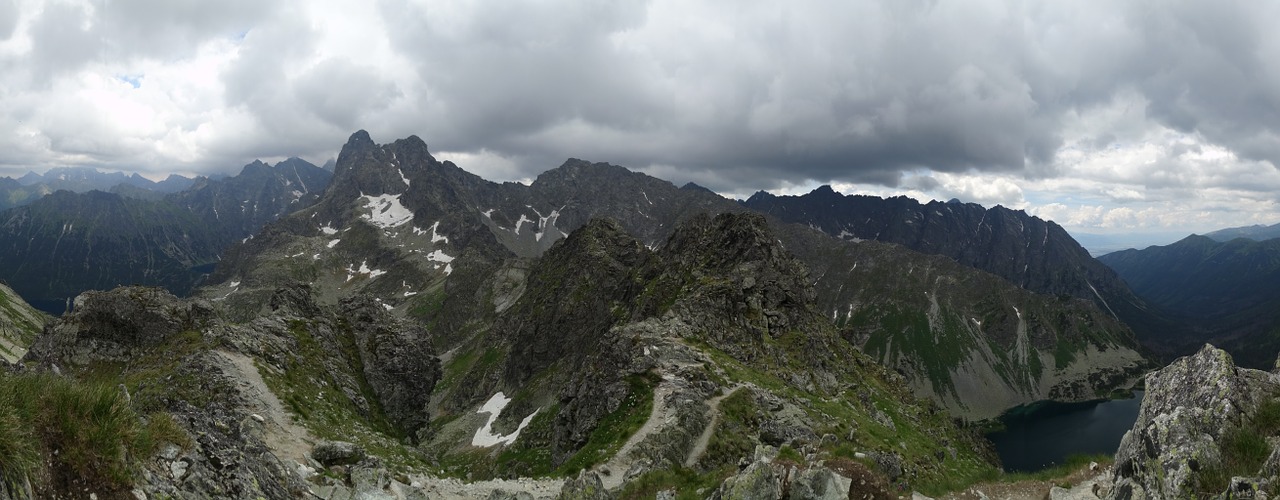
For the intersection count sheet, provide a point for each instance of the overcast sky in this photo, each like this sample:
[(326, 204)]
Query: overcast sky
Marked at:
[(1137, 116)]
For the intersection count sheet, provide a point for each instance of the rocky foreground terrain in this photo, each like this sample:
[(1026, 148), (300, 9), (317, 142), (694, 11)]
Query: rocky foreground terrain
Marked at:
[(239, 429)]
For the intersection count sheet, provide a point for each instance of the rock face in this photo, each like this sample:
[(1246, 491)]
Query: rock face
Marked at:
[(116, 324), (767, 479), (1188, 409), (364, 351), (1027, 251)]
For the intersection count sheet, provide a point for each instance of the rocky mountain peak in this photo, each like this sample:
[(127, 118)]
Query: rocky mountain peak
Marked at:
[(254, 168), (725, 240)]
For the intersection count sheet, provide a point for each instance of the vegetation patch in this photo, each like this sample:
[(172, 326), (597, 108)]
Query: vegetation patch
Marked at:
[(74, 433), (740, 418), (686, 483), (1243, 450), (921, 435)]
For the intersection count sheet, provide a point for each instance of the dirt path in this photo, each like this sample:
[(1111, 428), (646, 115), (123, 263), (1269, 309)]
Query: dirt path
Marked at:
[(1084, 483), (612, 472), (288, 440), (700, 446)]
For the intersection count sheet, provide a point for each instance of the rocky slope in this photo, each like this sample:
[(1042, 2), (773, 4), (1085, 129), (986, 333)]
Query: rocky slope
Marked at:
[(966, 338), (1229, 291), (1027, 251), (19, 324), (438, 244)]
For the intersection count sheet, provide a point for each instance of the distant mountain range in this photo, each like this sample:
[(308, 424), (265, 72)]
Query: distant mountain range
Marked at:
[(1229, 292), (1255, 232), (62, 244), (33, 186)]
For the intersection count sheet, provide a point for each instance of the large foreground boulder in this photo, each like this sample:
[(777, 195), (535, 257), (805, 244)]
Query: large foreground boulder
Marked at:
[(1188, 409)]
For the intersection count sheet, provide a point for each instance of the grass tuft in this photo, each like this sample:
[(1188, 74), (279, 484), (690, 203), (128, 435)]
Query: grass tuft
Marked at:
[(85, 430)]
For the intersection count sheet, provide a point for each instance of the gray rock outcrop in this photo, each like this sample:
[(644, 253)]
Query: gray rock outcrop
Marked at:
[(767, 479), (587, 486), (1188, 409), (110, 325)]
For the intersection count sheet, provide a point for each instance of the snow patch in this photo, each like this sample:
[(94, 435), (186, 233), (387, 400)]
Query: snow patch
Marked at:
[(521, 222), (547, 222), (441, 257), (386, 211), (373, 273), (233, 284), (484, 436), (437, 237), (352, 271), (329, 230), (402, 177), (847, 236), (333, 243)]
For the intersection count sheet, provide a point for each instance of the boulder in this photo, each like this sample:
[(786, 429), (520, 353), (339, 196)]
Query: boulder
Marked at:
[(758, 481), (330, 453), (816, 483), (1188, 408), (587, 486)]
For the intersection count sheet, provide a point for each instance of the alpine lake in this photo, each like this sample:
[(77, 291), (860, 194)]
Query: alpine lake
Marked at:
[(1041, 435)]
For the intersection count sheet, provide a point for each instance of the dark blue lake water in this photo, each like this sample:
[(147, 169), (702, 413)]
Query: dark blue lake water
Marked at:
[(1045, 434)]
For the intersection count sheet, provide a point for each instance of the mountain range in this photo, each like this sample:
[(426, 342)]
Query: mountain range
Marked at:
[(33, 186), (598, 329), (1257, 232), (65, 243), (1029, 252), (1229, 292), (425, 237)]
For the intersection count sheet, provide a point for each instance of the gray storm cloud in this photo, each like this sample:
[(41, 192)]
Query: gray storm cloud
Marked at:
[(760, 95)]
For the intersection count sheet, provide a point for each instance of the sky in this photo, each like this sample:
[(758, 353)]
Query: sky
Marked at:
[(1146, 117)]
